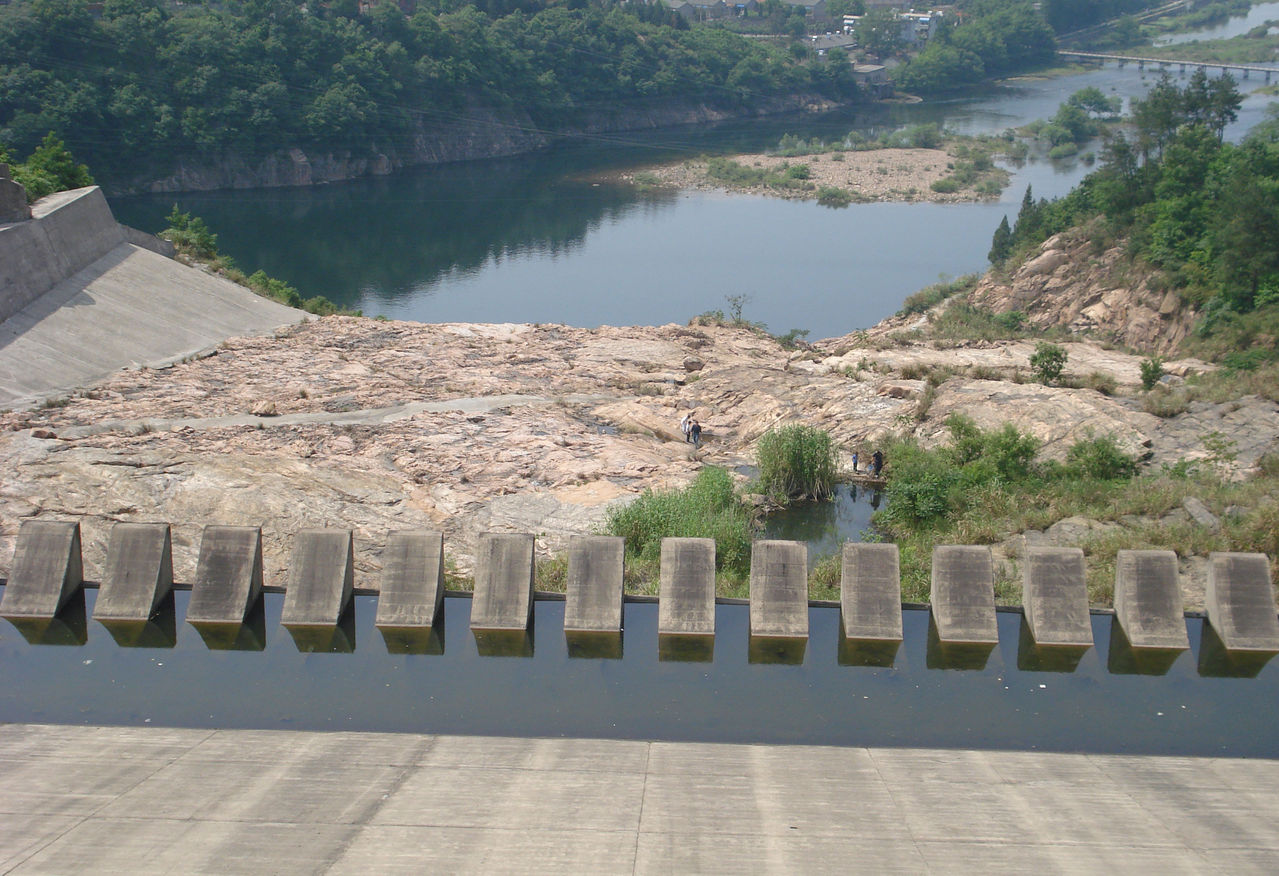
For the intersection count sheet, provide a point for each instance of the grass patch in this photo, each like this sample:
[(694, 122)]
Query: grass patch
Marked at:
[(706, 508), (797, 462)]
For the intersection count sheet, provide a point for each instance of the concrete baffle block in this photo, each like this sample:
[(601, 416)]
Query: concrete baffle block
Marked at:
[(1241, 603), (1056, 596), (47, 569), (593, 597), (686, 597), (503, 598), (228, 576), (412, 589), (138, 574), (963, 595), (870, 592), (1148, 600), (321, 578), (779, 589)]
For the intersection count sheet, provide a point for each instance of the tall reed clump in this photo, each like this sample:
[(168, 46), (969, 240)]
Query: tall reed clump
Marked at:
[(706, 508), (797, 462)]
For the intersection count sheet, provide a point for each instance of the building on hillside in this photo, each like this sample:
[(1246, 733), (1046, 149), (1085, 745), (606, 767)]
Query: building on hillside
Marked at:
[(814, 9), (832, 42), (700, 10), (916, 27), (873, 79)]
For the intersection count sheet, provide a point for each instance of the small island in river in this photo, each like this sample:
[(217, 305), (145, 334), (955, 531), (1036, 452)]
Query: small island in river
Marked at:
[(838, 177)]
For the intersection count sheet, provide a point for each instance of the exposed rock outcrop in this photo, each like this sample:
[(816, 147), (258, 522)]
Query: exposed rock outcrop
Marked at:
[(1090, 293), (477, 132), (385, 425)]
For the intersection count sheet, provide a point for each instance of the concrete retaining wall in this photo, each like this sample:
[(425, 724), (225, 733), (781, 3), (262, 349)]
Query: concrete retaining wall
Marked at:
[(68, 232)]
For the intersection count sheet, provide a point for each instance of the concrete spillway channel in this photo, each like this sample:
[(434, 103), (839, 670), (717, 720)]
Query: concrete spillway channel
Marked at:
[(136, 595)]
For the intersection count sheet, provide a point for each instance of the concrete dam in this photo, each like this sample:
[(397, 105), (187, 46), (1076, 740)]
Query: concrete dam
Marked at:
[(137, 578), (80, 298)]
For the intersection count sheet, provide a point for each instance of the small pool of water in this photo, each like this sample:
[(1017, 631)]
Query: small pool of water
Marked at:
[(825, 526), (1098, 705)]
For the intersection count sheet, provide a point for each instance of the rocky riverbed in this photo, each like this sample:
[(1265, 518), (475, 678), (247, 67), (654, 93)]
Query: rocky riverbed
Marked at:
[(379, 425)]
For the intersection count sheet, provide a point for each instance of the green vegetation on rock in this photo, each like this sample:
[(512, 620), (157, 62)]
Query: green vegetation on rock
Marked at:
[(797, 462), (707, 508), (195, 242)]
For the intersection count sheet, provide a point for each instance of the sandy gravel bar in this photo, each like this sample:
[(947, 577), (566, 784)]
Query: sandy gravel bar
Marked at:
[(873, 175)]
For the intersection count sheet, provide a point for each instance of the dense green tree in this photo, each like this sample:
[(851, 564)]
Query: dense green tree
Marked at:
[(1001, 244), (149, 83), (880, 32)]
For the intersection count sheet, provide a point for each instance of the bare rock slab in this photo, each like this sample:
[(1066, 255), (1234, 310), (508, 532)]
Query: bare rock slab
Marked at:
[(779, 589), (321, 578), (1056, 597), (138, 574), (687, 590), (503, 598), (47, 569), (593, 598), (870, 592), (228, 576), (1241, 602), (412, 590), (1148, 600), (963, 595)]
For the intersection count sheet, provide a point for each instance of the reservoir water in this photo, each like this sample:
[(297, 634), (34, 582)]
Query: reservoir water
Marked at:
[(1236, 25), (549, 238), (913, 697)]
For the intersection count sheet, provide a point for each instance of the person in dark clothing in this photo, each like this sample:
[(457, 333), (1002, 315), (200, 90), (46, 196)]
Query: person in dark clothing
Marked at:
[(877, 462), (695, 432)]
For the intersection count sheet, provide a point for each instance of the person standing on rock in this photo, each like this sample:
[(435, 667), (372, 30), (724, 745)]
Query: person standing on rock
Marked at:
[(877, 462), (685, 427), (855, 456), (695, 433)]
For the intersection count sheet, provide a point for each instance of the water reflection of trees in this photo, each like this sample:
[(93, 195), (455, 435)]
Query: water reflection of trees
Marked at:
[(389, 237)]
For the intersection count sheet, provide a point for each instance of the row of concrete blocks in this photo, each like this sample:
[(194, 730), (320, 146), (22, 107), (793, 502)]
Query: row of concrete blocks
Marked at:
[(138, 576)]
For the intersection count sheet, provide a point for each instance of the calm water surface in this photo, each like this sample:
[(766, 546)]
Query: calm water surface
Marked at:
[(544, 239), (914, 701), (1235, 26)]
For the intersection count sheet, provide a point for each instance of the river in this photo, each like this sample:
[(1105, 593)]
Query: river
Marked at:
[(543, 239), (1234, 26)]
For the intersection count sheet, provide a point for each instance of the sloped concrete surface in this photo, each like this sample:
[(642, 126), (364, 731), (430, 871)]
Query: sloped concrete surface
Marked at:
[(158, 800), (129, 308)]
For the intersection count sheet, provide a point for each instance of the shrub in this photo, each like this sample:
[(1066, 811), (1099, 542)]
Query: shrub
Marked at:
[(1164, 402), (1100, 459), (1047, 362), (706, 508), (946, 185), (1151, 370), (190, 235), (936, 293), (834, 196), (797, 462)]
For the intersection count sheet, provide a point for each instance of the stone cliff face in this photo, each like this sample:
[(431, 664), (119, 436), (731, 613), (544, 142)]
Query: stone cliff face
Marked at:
[(1068, 284), (478, 133)]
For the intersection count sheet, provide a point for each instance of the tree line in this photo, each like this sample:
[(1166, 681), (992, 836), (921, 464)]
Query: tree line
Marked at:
[(144, 81), (994, 38)]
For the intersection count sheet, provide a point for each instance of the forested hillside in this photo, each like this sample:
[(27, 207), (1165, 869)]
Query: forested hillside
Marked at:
[(147, 81), (1202, 213)]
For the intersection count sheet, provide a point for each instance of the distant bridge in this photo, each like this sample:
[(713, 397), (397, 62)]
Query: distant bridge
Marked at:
[(1165, 63)]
